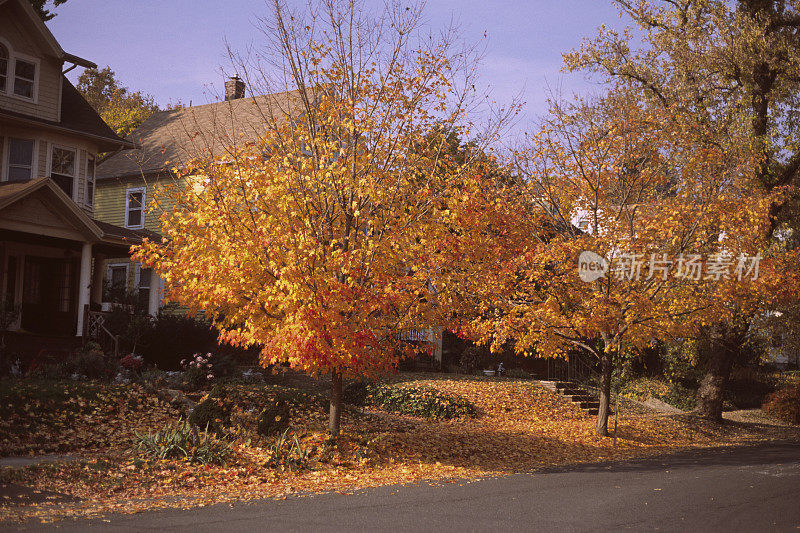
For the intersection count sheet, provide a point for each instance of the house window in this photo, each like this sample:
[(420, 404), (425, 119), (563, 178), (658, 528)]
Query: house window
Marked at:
[(90, 180), (143, 285), (24, 78), (117, 283), (20, 159), (3, 68), (62, 168), (134, 208)]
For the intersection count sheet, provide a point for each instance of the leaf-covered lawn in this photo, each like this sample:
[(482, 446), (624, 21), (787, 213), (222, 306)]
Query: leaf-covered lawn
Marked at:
[(519, 427)]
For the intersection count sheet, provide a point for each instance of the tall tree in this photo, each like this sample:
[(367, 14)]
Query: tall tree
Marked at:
[(122, 109), (43, 12), (727, 66), (657, 206), (312, 242)]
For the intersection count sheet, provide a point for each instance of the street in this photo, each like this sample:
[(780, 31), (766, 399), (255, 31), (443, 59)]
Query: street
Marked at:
[(735, 489)]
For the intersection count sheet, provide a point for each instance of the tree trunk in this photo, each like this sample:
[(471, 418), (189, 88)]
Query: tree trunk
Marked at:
[(719, 351), (605, 394), (336, 403)]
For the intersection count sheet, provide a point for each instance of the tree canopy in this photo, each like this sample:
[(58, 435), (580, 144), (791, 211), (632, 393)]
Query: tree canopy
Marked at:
[(122, 109)]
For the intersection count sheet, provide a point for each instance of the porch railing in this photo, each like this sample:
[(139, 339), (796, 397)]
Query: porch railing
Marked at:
[(94, 329)]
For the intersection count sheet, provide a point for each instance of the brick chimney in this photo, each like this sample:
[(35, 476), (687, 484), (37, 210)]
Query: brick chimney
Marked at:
[(234, 88)]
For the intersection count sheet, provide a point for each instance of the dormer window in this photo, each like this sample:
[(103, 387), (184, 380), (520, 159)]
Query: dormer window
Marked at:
[(24, 78), (3, 67), (18, 73)]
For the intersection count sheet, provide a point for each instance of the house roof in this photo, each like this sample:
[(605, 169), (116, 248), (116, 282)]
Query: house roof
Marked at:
[(47, 37), (171, 138), (77, 118), (94, 230)]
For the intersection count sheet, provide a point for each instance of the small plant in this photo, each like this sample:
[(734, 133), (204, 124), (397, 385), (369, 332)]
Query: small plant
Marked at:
[(132, 362), (198, 371), (784, 404), (288, 453), (182, 440)]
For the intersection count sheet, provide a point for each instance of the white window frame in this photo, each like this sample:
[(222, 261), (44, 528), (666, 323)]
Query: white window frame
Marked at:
[(90, 179), (76, 170), (6, 159), (128, 192), (11, 74)]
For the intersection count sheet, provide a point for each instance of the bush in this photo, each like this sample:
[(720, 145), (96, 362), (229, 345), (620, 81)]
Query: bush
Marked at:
[(173, 337), (424, 402), (212, 413), (517, 373), (748, 388), (674, 394), (89, 362), (183, 440), (274, 419), (784, 404), (472, 360)]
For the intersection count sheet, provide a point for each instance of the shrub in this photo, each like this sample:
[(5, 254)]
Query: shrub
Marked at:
[(173, 337), (182, 440), (749, 387), (517, 373), (356, 393), (89, 361), (424, 402), (212, 413), (274, 419), (784, 404), (472, 360), (674, 394)]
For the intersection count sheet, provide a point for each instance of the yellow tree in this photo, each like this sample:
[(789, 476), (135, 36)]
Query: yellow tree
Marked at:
[(311, 242), (629, 187), (721, 64)]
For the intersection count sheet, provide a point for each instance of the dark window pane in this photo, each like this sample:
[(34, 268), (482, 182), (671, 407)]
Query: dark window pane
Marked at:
[(23, 88), (144, 278), (118, 275), (20, 152), (19, 174), (65, 182), (135, 200), (89, 192), (134, 218), (24, 69)]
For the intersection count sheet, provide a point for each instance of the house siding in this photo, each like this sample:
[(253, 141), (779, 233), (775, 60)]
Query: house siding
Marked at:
[(46, 102), (110, 199)]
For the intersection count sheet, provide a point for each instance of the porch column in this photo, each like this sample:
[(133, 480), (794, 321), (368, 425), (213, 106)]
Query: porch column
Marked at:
[(84, 287), (97, 279), (154, 303)]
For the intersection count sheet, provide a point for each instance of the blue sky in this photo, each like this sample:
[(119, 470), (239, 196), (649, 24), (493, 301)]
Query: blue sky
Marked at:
[(174, 49)]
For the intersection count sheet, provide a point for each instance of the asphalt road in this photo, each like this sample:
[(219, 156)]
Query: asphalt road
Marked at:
[(739, 489)]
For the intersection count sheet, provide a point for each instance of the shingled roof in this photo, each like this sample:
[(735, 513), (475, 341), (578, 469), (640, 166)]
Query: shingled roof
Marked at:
[(171, 138), (77, 117)]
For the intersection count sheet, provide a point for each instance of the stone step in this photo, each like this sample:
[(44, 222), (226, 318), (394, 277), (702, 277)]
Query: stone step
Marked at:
[(578, 397)]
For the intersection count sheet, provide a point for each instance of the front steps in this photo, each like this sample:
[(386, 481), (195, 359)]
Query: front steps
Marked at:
[(588, 403)]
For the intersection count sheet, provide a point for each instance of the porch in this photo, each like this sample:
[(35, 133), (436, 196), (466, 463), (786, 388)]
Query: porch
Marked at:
[(52, 257)]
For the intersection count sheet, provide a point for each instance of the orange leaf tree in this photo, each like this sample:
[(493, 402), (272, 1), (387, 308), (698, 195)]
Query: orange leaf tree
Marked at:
[(311, 242), (640, 188)]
